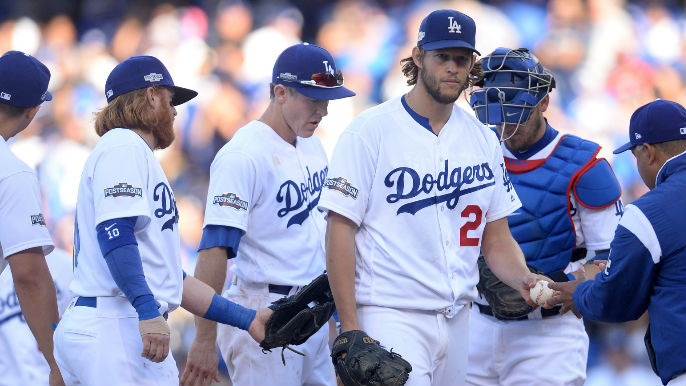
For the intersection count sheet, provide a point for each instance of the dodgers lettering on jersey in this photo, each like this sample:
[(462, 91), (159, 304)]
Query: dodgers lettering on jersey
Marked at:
[(123, 178), (270, 189), (23, 224), (421, 201)]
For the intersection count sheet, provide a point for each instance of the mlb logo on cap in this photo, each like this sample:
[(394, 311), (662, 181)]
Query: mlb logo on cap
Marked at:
[(655, 122), (447, 28), (23, 80)]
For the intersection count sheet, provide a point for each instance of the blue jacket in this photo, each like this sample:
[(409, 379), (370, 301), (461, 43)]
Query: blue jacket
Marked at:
[(647, 270)]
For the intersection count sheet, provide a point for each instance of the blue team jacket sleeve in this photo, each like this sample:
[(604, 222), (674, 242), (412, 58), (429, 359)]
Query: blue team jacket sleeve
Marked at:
[(221, 236), (622, 291)]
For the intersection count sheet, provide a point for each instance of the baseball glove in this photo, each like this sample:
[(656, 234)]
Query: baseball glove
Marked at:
[(506, 302), (293, 320), (366, 362)]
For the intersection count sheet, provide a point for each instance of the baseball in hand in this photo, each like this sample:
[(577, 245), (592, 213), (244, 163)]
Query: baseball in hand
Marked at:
[(541, 292)]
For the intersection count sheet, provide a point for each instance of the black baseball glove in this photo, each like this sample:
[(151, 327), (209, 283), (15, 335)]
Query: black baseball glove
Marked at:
[(506, 302), (293, 320), (366, 362)]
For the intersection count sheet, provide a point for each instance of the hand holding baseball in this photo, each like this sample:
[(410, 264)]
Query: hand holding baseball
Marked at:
[(541, 293)]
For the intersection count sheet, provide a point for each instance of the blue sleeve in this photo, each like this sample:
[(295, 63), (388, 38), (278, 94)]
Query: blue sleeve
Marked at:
[(227, 312), (621, 292), (116, 233), (125, 265), (221, 236)]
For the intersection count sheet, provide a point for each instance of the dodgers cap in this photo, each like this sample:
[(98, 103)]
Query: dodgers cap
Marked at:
[(658, 121), (139, 72), (447, 28), (23, 80), (310, 70)]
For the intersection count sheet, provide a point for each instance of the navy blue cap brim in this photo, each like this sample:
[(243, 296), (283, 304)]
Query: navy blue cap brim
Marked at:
[(437, 45), (48, 96), (321, 93), (623, 148), (182, 95)]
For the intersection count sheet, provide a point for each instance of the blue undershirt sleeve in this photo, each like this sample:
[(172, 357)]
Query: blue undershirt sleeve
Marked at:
[(227, 312), (221, 236), (120, 250)]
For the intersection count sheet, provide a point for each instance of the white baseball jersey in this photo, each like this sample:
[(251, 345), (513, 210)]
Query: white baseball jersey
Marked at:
[(123, 178), (22, 362), (23, 225), (595, 228), (421, 202), (268, 188)]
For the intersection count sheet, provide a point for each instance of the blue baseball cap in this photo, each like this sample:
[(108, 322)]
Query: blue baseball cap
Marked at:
[(447, 28), (23, 80), (139, 72), (655, 122), (310, 70)]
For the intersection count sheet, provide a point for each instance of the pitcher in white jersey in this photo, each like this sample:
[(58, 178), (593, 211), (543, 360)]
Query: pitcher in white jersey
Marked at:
[(570, 204), (24, 237), (416, 187), (262, 209), (127, 267)]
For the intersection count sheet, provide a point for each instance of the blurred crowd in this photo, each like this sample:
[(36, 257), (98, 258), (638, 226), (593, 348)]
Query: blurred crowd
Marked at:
[(608, 57)]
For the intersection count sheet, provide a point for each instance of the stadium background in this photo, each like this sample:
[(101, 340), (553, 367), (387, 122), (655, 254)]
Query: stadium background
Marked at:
[(608, 56)]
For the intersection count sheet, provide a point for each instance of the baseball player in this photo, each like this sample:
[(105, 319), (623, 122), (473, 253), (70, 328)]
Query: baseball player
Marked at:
[(570, 204), (646, 267), (416, 187), (23, 363), (127, 266), (24, 238), (261, 209)]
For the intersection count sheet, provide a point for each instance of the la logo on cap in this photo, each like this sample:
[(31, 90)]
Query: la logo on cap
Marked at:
[(453, 27)]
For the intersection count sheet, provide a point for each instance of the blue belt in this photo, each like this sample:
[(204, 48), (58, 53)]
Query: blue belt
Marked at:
[(545, 312), (280, 289), (92, 302)]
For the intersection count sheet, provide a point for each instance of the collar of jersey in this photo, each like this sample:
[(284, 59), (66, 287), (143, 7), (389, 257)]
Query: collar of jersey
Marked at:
[(673, 165), (139, 136), (548, 137), (423, 121)]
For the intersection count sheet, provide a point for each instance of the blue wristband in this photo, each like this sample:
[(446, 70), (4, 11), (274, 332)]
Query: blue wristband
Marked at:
[(227, 312)]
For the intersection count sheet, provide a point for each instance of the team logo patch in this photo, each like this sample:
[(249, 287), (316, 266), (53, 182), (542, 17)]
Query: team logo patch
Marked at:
[(342, 185), (453, 27), (5, 96), (37, 219), (123, 189), (288, 76), (152, 77), (232, 200), (110, 93)]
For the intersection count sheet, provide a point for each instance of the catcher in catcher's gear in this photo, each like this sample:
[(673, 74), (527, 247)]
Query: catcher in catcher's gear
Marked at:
[(361, 360)]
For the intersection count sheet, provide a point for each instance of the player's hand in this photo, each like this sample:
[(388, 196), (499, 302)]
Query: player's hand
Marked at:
[(155, 336), (201, 364), (55, 377), (257, 327), (529, 282), (563, 295), (601, 264)]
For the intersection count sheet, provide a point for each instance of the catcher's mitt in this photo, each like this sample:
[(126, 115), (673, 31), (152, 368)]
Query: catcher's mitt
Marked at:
[(293, 320), (366, 362), (506, 302)]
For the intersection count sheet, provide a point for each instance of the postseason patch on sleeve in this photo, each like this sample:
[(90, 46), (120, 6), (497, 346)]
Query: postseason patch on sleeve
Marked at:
[(231, 200), (37, 219), (123, 190), (342, 185)]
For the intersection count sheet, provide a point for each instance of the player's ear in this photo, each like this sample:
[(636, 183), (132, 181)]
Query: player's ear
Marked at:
[(651, 153), (417, 56), (280, 93), (545, 102), (152, 96), (31, 112)]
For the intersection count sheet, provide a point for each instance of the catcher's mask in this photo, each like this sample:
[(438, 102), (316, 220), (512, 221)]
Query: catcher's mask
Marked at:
[(514, 82)]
